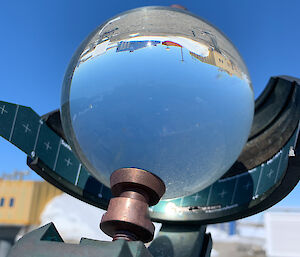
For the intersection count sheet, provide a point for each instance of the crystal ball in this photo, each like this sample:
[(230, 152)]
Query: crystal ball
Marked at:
[(159, 89)]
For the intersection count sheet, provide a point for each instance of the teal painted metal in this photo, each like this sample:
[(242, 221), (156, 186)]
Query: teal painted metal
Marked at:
[(47, 242), (181, 241), (7, 119), (172, 241), (47, 145), (22, 127)]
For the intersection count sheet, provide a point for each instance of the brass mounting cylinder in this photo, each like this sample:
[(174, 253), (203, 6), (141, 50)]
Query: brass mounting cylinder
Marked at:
[(127, 216)]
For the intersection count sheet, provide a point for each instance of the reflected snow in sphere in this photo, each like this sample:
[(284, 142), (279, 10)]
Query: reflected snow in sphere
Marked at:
[(161, 90)]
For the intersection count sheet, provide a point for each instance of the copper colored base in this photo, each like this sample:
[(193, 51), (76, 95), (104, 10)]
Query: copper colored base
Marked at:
[(127, 215)]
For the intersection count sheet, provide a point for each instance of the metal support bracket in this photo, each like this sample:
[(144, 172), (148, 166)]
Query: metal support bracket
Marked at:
[(47, 242), (181, 241), (172, 241)]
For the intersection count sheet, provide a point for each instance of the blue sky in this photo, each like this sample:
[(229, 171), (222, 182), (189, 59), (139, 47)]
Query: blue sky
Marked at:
[(38, 39), (146, 131)]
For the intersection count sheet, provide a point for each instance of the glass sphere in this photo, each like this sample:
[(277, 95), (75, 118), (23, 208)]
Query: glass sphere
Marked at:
[(162, 90)]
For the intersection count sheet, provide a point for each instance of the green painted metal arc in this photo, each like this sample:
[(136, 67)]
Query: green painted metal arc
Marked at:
[(22, 127)]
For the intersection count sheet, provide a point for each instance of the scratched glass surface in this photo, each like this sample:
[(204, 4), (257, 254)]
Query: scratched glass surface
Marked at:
[(161, 90)]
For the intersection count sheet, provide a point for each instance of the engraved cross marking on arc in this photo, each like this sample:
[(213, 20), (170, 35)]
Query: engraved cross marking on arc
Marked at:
[(26, 128), (3, 110), (223, 193), (47, 145), (270, 173), (68, 161)]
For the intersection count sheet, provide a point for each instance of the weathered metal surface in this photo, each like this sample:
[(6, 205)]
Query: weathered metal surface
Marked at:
[(127, 215), (172, 241), (46, 242), (143, 182)]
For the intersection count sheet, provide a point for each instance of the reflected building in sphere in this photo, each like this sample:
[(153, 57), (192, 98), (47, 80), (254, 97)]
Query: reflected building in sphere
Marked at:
[(183, 114), (135, 45), (217, 59)]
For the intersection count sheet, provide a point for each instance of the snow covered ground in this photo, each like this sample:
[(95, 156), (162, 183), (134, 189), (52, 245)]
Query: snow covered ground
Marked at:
[(73, 218)]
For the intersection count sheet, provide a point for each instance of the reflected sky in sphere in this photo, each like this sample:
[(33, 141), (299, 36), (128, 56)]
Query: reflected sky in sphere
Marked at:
[(168, 104)]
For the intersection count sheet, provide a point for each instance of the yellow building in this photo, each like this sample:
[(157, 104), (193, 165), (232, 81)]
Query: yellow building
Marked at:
[(217, 59), (21, 202)]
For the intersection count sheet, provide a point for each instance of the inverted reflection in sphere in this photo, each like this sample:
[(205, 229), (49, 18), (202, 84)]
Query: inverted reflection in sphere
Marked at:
[(160, 90)]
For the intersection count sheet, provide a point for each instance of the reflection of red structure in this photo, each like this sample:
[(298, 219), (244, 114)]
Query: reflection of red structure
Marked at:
[(170, 43), (178, 6)]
